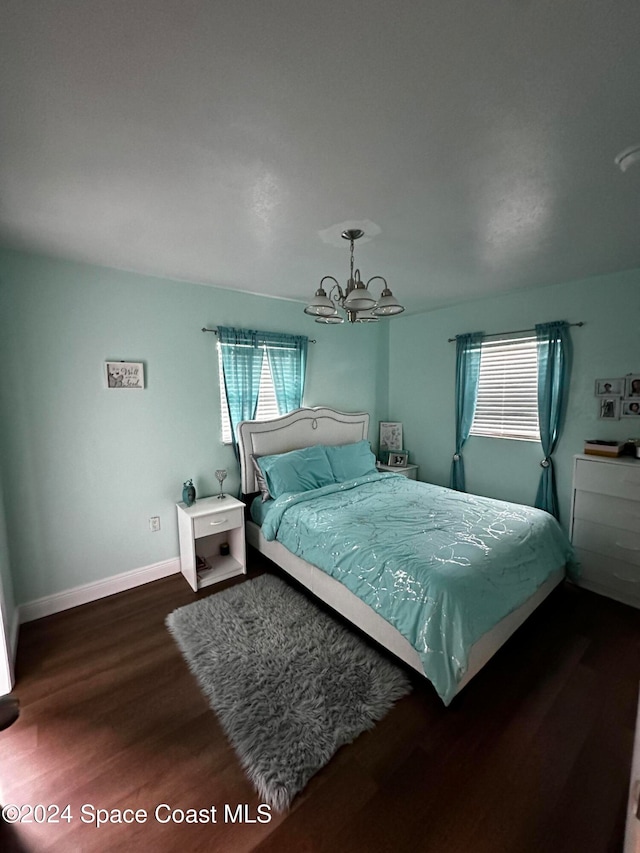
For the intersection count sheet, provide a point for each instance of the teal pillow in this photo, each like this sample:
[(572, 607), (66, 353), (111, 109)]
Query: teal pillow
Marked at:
[(349, 461), (297, 471)]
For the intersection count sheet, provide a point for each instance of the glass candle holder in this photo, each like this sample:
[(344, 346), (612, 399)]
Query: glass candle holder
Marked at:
[(221, 476)]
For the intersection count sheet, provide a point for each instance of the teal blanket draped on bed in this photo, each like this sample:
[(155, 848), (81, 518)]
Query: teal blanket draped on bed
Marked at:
[(442, 567)]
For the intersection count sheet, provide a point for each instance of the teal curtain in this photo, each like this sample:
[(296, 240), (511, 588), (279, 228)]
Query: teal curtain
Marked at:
[(468, 349), (554, 369), (287, 356), (242, 355)]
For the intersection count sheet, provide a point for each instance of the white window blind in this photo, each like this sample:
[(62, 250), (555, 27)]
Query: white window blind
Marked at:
[(507, 404), (267, 404)]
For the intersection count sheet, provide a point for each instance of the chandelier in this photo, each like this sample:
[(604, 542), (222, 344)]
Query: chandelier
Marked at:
[(356, 301)]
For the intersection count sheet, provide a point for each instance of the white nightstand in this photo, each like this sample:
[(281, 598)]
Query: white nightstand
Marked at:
[(202, 529), (409, 471)]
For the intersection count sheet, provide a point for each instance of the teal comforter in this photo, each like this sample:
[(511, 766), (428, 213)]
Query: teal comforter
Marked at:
[(443, 567)]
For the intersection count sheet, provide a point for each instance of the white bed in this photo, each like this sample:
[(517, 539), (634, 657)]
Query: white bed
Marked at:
[(307, 427)]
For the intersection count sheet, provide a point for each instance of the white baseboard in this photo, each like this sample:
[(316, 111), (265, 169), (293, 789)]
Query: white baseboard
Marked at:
[(87, 592)]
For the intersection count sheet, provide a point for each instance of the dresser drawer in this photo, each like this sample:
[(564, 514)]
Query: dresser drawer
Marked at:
[(216, 522), (620, 480), (607, 575), (605, 509), (611, 542)]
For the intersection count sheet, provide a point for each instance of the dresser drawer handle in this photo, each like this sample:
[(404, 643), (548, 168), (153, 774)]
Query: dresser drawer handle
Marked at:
[(626, 578), (215, 523), (626, 547)]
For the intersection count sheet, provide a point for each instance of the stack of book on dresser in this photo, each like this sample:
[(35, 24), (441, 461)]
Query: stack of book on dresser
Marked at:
[(596, 447)]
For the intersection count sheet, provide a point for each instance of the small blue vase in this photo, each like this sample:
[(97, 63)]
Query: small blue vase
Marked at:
[(189, 493)]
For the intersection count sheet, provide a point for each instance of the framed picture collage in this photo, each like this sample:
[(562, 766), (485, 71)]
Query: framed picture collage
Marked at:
[(619, 397)]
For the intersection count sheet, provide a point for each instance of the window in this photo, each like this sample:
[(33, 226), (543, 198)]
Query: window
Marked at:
[(250, 384), (507, 405), (267, 403)]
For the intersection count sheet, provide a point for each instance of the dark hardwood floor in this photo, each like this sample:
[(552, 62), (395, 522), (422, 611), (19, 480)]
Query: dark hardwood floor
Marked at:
[(533, 756)]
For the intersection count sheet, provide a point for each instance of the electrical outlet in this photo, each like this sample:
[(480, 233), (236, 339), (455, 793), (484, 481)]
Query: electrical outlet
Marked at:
[(154, 523)]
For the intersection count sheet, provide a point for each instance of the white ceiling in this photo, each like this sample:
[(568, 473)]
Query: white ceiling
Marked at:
[(217, 141)]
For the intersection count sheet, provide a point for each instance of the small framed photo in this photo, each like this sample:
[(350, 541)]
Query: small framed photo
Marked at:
[(610, 408), (633, 385), (124, 374), (398, 459), (630, 408), (610, 387), (390, 436)]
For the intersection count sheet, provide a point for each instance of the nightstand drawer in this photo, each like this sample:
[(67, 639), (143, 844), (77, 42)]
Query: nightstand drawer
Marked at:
[(216, 522)]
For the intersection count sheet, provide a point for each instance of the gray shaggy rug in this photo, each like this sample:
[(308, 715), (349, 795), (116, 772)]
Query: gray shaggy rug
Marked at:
[(290, 685)]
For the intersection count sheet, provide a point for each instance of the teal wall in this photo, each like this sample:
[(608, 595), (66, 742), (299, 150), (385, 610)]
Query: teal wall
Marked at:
[(83, 467), (422, 369)]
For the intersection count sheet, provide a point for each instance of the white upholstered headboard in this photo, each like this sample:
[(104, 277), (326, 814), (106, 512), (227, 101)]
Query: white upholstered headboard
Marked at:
[(302, 428)]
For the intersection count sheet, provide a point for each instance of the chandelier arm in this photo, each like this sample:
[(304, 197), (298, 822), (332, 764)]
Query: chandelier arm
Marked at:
[(333, 287), (373, 278)]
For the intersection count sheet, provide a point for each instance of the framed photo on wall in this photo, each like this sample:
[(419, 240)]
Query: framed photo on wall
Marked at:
[(633, 385), (610, 408), (610, 387), (390, 436), (630, 408), (124, 374)]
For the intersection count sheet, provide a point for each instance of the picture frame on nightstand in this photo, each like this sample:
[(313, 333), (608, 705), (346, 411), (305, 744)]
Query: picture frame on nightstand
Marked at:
[(398, 459), (390, 436)]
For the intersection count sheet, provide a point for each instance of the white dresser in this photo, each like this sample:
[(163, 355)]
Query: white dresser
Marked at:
[(605, 525)]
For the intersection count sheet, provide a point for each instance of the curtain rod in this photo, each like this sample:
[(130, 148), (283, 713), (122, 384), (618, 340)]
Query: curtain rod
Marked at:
[(500, 334), (215, 332)]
